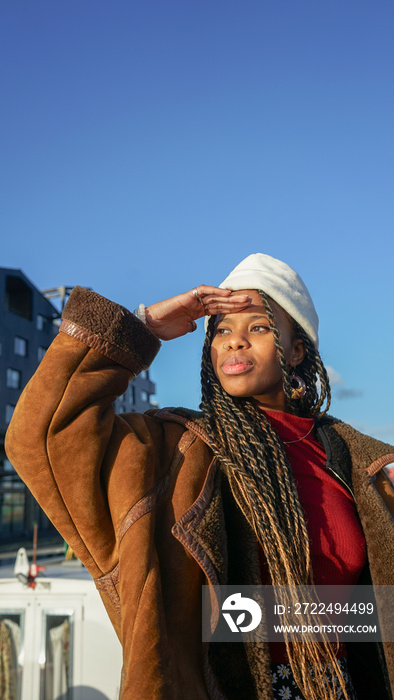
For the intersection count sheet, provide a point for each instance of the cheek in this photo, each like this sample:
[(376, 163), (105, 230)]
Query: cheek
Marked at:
[(214, 359), (287, 344)]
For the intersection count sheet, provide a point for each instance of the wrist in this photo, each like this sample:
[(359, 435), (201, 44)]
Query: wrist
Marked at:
[(140, 312), (143, 314)]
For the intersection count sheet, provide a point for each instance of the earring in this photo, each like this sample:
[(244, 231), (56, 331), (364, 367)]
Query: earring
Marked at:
[(298, 386)]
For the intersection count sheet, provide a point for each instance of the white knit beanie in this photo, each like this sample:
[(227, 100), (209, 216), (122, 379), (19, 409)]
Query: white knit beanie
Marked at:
[(281, 283)]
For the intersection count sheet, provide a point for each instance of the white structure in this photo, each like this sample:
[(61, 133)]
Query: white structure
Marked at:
[(61, 642)]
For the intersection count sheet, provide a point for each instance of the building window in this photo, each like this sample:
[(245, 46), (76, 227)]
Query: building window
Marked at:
[(40, 353), (144, 396), (13, 379), (9, 410), (20, 346), (6, 466), (12, 508), (12, 622), (40, 322), (56, 658), (18, 297)]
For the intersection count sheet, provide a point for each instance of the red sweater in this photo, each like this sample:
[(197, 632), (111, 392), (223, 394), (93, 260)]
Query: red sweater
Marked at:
[(337, 543)]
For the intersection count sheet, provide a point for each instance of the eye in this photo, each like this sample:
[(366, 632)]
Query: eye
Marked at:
[(222, 331), (260, 328)]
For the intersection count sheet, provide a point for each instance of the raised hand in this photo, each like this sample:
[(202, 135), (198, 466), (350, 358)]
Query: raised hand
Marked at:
[(176, 316)]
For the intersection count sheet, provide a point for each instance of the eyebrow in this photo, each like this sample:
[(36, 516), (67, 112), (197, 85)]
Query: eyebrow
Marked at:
[(253, 317)]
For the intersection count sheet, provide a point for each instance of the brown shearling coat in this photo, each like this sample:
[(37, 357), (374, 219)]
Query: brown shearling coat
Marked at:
[(141, 501)]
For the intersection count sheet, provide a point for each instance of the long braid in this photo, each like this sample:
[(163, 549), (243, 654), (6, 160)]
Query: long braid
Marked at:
[(310, 369), (254, 453), (260, 476)]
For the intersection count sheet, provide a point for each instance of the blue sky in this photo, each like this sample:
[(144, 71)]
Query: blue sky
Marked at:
[(149, 146)]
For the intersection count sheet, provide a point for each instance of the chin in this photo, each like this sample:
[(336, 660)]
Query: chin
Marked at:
[(238, 394)]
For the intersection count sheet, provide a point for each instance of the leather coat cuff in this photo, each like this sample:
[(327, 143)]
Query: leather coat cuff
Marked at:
[(110, 329)]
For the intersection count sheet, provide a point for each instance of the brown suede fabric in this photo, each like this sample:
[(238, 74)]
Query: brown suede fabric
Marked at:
[(142, 502), (111, 324)]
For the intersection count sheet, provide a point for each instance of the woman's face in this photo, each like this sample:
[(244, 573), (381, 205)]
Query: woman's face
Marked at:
[(244, 357)]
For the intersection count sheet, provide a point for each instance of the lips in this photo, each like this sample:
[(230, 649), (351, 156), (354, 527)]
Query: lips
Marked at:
[(236, 364)]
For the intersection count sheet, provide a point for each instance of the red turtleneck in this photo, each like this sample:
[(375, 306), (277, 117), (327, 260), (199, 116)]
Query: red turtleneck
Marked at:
[(337, 543)]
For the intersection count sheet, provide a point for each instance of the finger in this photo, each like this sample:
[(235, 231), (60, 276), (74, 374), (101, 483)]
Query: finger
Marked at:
[(226, 304), (208, 289), (206, 296), (215, 308), (234, 300), (204, 289)]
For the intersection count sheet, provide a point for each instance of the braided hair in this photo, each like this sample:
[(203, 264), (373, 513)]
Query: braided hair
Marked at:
[(260, 477)]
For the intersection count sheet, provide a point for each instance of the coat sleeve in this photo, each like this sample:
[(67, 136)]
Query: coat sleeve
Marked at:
[(84, 464)]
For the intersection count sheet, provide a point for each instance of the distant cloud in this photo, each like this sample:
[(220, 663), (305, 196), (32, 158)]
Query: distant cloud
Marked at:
[(334, 376), (336, 380), (349, 393)]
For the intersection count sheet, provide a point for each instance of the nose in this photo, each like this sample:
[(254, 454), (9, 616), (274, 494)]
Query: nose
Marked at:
[(235, 341)]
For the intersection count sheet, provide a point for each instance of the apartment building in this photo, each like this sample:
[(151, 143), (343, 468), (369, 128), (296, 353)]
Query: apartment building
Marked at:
[(28, 323)]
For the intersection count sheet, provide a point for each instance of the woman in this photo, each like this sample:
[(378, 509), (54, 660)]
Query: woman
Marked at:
[(158, 505)]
